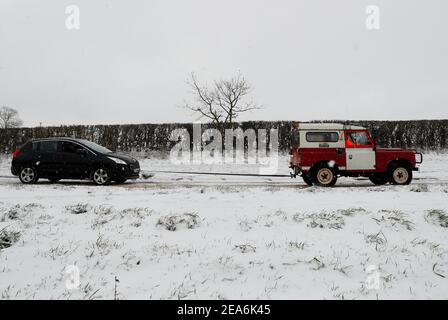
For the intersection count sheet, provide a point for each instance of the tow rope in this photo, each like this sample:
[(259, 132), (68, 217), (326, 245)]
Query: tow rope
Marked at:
[(223, 173)]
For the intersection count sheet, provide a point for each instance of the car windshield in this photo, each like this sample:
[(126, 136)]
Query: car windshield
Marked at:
[(95, 147)]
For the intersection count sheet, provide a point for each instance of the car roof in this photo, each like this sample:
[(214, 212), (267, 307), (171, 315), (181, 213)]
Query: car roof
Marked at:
[(328, 126), (57, 139)]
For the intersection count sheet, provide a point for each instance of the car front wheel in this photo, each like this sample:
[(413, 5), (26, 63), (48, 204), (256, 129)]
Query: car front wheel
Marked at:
[(101, 176), (28, 175), (400, 175)]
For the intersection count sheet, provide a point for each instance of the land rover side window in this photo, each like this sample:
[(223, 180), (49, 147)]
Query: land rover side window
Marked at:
[(322, 136), (48, 146), (358, 138)]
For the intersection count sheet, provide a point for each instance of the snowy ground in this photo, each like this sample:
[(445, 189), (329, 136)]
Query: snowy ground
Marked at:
[(226, 237)]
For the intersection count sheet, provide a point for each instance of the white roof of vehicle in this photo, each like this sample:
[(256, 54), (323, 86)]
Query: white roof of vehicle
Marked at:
[(328, 126)]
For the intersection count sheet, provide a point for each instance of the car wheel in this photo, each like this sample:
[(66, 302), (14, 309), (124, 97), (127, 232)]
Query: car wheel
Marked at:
[(28, 175), (101, 176), (324, 176), (307, 179), (400, 175), (379, 179), (120, 181), (54, 180)]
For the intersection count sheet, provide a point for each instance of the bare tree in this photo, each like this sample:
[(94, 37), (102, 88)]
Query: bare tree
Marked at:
[(9, 118), (221, 102)]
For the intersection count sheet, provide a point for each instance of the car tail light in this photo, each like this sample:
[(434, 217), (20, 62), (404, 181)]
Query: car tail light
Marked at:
[(16, 153)]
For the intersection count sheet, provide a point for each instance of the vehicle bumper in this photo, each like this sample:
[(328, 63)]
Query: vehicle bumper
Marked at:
[(126, 172), (15, 170)]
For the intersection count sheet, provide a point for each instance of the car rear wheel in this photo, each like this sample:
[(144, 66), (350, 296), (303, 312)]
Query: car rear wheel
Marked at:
[(28, 175), (307, 179), (324, 176), (379, 179), (101, 176), (400, 175)]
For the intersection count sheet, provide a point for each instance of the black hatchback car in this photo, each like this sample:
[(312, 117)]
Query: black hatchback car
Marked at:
[(68, 158)]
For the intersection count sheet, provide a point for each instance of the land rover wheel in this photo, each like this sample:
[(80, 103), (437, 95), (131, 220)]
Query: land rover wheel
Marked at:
[(324, 176), (28, 175), (379, 179), (101, 176), (400, 175), (307, 179)]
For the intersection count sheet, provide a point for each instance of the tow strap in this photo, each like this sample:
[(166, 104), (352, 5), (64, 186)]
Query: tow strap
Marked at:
[(223, 173)]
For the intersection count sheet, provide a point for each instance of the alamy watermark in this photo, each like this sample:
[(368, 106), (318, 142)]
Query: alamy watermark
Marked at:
[(373, 280), (236, 147), (73, 18), (72, 278), (373, 17)]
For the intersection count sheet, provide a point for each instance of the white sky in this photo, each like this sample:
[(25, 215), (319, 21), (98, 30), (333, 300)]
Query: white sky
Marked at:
[(306, 60)]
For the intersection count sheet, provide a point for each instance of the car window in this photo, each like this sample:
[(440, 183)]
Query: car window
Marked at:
[(95, 147), (322, 136), (70, 147), (48, 146), (359, 138)]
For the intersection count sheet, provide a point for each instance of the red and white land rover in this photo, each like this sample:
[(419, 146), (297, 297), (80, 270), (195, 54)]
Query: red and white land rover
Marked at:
[(323, 151)]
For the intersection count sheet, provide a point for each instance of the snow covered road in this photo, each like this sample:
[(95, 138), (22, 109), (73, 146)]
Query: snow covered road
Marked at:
[(193, 237)]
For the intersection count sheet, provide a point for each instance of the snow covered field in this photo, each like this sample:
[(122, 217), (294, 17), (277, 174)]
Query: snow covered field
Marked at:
[(225, 237)]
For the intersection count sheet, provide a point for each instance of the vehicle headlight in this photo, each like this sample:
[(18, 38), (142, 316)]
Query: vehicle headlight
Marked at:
[(117, 161)]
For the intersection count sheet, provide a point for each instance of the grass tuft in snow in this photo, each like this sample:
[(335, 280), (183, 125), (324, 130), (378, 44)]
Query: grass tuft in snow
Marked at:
[(18, 212), (245, 248), (323, 220), (419, 188), (378, 239), (172, 222), (78, 208), (8, 238), (349, 212), (394, 218), (438, 217)]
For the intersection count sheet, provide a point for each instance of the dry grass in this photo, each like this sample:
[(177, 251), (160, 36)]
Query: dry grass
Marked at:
[(323, 220), (438, 217), (173, 222), (8, 238)]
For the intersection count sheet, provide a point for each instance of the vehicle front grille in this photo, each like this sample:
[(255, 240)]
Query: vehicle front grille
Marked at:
[(135, 167)]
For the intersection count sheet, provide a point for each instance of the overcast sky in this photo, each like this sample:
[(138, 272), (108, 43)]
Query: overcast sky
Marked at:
[(313, 59)]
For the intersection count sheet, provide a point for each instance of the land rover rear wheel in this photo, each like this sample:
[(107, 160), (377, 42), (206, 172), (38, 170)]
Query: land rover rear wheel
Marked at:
[(307, 179), (324, 176)]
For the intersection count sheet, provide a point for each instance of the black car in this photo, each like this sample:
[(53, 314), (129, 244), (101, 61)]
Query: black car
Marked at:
[(68, 158)]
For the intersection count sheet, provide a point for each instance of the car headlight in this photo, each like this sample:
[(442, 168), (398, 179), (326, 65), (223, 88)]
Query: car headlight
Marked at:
[(117, 161)]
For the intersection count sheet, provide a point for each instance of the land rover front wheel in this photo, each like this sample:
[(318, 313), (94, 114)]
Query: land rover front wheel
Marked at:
[(400, 175), (324, 176)]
